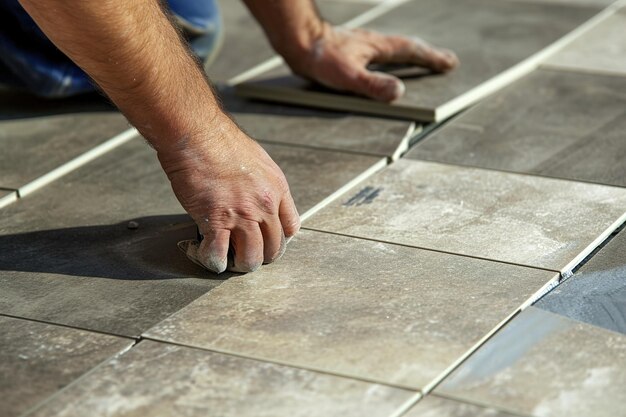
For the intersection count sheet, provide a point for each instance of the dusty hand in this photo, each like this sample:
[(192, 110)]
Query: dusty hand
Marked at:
[(236, 195), (339, 59)]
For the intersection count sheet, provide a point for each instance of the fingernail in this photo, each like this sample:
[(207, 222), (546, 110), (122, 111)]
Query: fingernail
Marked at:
[(398, 89)]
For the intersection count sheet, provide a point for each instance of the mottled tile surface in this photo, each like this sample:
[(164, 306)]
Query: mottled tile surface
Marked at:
[(596, 294), (314, 174), (489, 37), (544, 364), (36, 360), (355, 307), (155, 379), (435, 406), (601, 50), (69, 257), (552, 123), (514, 218), (37, 136), (245, 44), (320, 129)]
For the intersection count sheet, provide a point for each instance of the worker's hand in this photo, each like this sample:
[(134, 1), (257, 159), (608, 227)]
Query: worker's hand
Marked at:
[(339, 59), (236, 195)]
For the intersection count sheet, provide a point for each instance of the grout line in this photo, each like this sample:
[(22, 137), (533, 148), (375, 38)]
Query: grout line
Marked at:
[(276, 60), (414, 130), (408, 404), (69, 326), (521, 69), (346, 187), (76, 381), (8, 199), (322, 148), (280, 363), (506, 171), (583, 71), (78, 162), (555, 271)]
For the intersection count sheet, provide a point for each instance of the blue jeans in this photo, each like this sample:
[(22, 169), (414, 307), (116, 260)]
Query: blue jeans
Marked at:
[(29, 61)]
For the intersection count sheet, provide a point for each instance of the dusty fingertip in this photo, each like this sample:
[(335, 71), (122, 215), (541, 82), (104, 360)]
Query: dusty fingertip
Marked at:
[(399, 90)]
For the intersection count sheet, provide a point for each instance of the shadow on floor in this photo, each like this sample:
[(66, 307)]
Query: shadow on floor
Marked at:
[(20, 105), (115, 251)]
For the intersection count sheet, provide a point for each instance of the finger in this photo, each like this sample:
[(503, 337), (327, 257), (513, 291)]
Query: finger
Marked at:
[(403, 50), (289, 217), (247, 244), (274, 243), (376, 85), (213, 251)]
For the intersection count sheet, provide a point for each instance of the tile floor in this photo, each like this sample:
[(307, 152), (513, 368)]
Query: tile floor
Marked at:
[(426, 313)]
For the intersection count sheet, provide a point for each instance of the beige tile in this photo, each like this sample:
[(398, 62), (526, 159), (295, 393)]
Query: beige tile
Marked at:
[(37, 360), (601, 50), (513, 218), (553, 123), (546, 365), (155, 379), (490, 37), (435, 406), (37, 136), (356, 307), (321, 129)]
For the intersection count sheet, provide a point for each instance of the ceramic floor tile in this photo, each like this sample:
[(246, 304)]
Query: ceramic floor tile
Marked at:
[(435, 406), (544, 364), (601, 50), (490, 37), (596, 294), (245, 44), (69, 257), (163, 380), (37, 137), (36, 360), (321, 129), (599, 3), (521, 219), (552, 123), (359, 308)]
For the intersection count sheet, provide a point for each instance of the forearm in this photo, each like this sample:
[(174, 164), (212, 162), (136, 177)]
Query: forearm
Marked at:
[(292, 26), (135, 55)]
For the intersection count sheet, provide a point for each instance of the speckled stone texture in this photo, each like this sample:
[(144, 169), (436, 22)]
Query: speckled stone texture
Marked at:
[(320, 129), (552, 123), (543, 364), (68, 256), (435, 406), (157, 380), (601, 50), (37, 136), (358, 308), (596, 294), (245, 44), (521, 219), (488, 36), (37, 360)]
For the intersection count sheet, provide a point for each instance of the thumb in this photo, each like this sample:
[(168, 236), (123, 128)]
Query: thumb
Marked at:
[(377, 85)]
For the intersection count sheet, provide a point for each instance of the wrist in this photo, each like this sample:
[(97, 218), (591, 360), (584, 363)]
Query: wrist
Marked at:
[(299, 48)]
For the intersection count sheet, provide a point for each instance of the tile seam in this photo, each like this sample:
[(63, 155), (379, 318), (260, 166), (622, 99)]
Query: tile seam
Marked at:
[(80, 378), (479, 404)]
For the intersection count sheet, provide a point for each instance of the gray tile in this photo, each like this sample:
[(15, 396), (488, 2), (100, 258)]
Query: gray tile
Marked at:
[(489, 37), (7, 197), (315, 174), (552, 123), (515, 218), (546, 365), (321, 129), (358, 308), (601, 50), (596, 294), (69, 258), (163, 380), (36, 360), (37, 136), (245, 44), (435, 406), (600, 3)]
